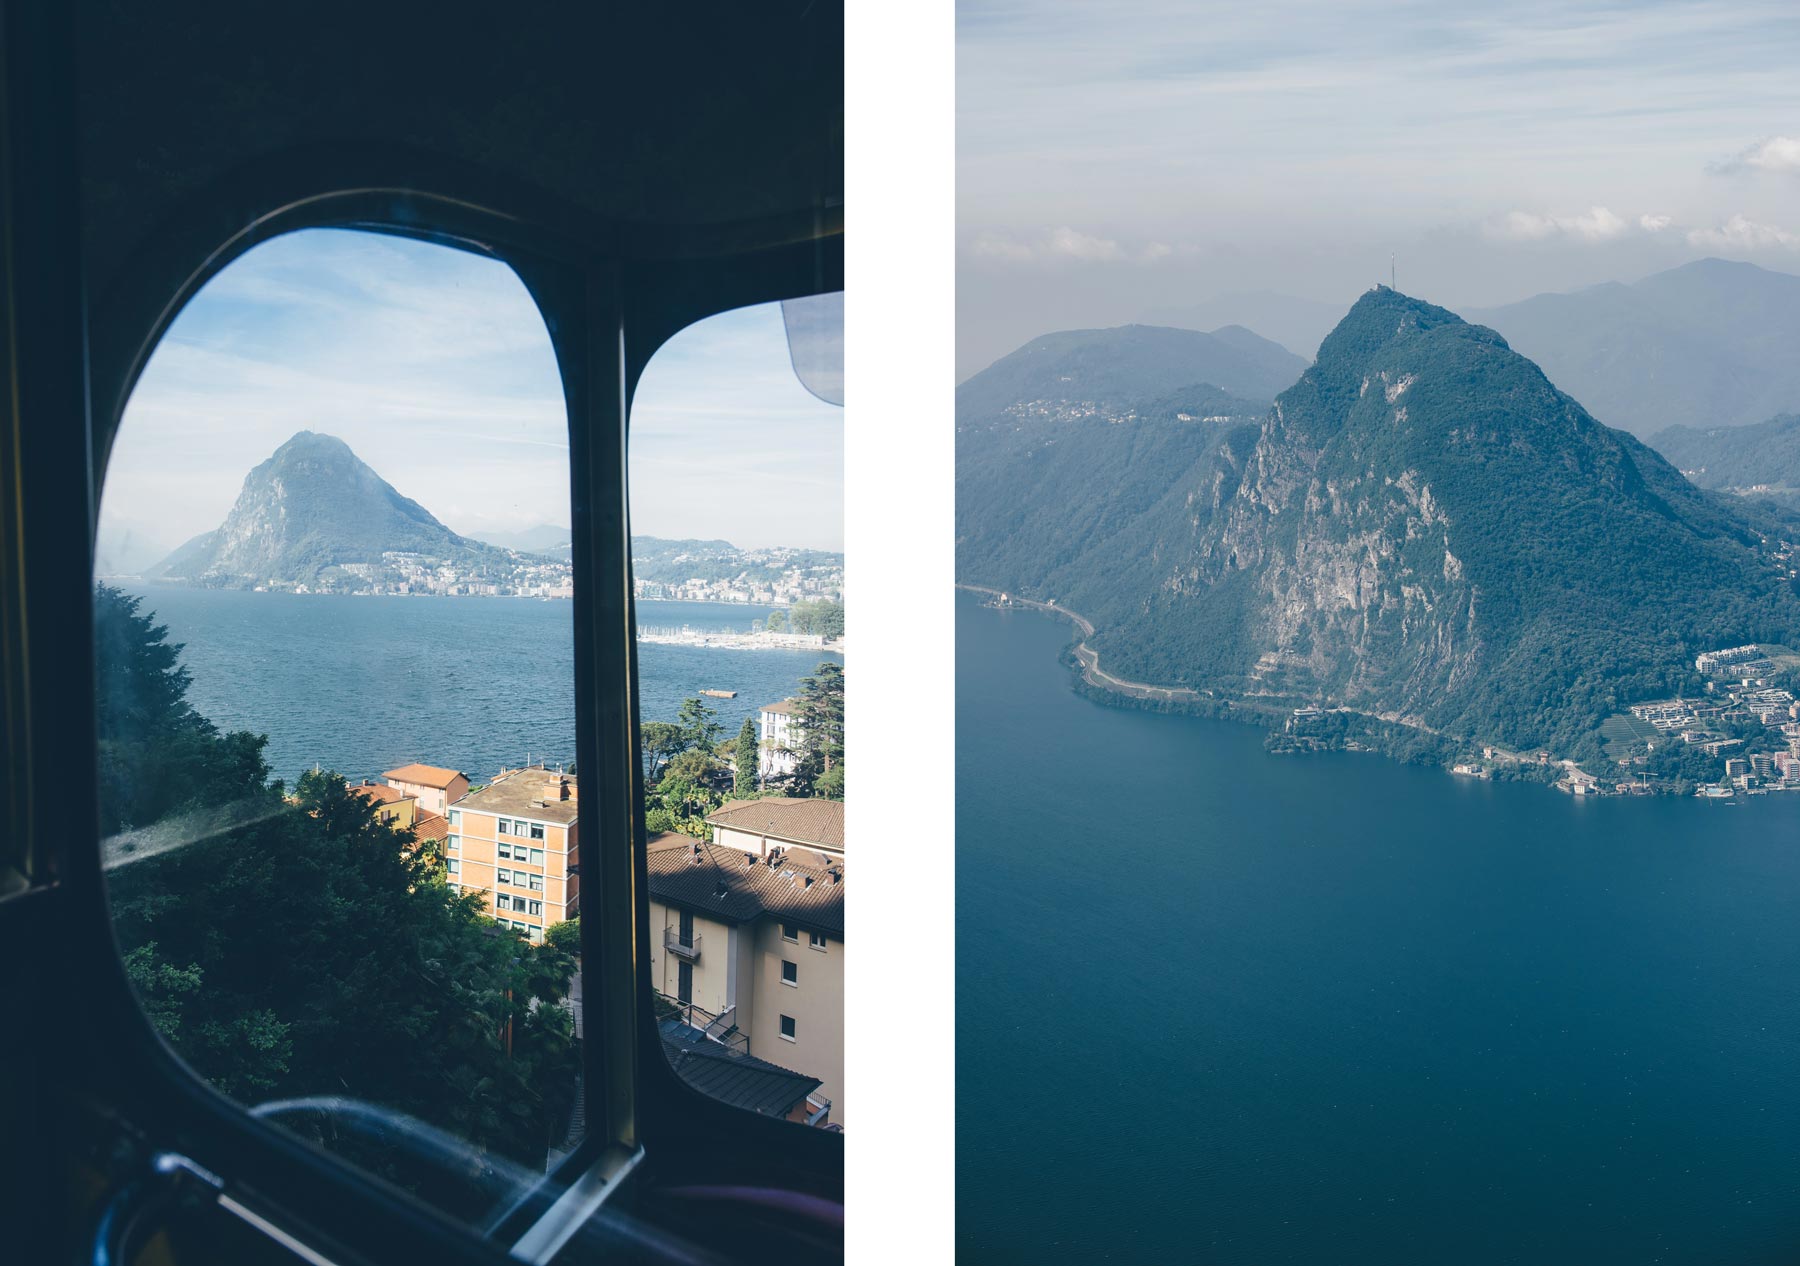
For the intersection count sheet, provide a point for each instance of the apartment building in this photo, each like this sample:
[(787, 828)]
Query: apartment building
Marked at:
[(781, 822), (747, 938), (777, 728), (516, 841), (435, 789), (395, 807)]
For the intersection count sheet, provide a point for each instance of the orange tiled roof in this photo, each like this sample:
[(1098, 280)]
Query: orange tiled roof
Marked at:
[(424, 775), (431, 826), (380, 793)]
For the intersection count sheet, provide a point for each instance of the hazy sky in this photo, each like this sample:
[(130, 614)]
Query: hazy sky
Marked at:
[(434, 365), (1116, 159)]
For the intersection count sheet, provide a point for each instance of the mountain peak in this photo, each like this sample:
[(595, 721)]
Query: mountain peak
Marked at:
[(313, 441), (312, 506)]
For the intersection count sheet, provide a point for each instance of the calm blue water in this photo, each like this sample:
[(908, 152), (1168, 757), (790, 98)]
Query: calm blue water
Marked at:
[(360, 685), (1217, 1006)]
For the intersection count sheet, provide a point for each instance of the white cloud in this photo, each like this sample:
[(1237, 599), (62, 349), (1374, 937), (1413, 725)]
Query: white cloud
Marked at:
[(1777, 154), (999, 246), (1654, 223), (1741, 233), (1064, 243), (1078, 245), (1596, 224)]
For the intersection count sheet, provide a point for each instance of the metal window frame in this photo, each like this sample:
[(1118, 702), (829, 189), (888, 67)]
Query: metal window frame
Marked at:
[(591, 288)]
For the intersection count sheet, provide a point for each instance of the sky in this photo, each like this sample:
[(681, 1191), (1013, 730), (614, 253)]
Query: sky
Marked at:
[(1118, 161), (434, 365)]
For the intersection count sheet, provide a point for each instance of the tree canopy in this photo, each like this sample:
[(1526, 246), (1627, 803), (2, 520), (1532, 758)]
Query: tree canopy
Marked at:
[(314, 950)]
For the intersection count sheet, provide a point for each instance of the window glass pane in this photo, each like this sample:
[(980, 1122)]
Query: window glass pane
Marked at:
[(741, 670), (332, 556)]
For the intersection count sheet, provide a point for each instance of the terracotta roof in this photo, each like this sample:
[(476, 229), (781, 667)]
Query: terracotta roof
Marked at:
[(424, 775), (743, 1081), (380, 793), (727, 884), (431, 826), (798, 821)]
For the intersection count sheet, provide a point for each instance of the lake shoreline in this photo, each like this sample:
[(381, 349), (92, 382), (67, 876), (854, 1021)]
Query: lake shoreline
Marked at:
[(1392, 738)]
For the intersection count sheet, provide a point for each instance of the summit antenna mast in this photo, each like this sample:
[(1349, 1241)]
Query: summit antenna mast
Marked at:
[(1391, 285)]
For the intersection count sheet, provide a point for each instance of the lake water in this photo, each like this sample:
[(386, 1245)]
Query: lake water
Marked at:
[(1220, 1006), (361, 685)]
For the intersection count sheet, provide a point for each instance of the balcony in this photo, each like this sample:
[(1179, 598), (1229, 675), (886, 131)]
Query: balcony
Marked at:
[(701, 1024), (682, 947)]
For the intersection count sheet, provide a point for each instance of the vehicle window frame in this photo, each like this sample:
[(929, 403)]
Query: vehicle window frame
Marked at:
[(589, 303)]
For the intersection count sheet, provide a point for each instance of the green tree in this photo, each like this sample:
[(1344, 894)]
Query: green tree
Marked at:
[(777, 622), (695, 766), (662, 740), (157, 755), (819, 727), (699, 724), (818, 615), (300, 951), (565, 936), (745, 758)]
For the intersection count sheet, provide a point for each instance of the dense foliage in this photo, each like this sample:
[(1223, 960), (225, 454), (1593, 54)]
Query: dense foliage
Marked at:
[(310, 950), (1423, 527), (1765, 456)]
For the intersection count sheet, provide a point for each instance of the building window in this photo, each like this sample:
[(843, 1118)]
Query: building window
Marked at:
[(455, 889), (787, 1029), (790, 932), (456, 817), (537, 830), (535, 934), (790, 973), (534, 907), (537, 857), (454, 866), (452, 843), (503, 876), (504, 852), (537, 882), (816, 940), (504, 827)]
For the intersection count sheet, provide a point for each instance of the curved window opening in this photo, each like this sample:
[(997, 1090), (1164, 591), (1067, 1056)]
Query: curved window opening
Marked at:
[(336, 709), (737, 504)]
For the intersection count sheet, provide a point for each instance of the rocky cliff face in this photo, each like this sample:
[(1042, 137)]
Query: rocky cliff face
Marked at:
[(1425, 528), (313, 504)]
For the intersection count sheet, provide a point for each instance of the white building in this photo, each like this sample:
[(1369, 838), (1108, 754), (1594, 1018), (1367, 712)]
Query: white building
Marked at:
[(778, 727)]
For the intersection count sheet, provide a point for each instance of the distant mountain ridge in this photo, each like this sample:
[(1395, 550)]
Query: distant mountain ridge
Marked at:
[(1422, 528), (1707, 344), (315, 514), (1760, 460), (1299, 325), (1129, 363)]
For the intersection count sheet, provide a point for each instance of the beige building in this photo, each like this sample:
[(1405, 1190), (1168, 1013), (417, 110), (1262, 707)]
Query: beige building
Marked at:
[(435, 789), (780, 822), (516, 840), (747, 938)]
